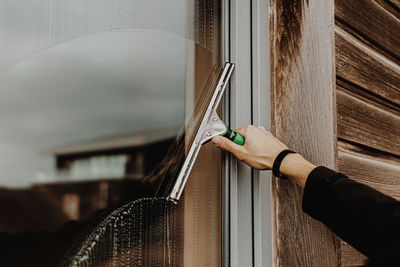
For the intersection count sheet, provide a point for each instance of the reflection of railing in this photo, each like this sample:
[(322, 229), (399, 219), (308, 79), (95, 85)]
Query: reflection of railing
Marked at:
[(145, 232)]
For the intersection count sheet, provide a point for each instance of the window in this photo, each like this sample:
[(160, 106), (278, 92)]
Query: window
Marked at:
[(93, 98)]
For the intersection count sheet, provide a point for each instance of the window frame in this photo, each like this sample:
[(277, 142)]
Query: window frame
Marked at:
[(247, 234)]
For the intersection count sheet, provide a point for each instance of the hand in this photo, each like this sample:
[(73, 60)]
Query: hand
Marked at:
[(260, 148)]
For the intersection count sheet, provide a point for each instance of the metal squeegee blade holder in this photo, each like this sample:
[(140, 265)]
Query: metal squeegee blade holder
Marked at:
[(211, 125)]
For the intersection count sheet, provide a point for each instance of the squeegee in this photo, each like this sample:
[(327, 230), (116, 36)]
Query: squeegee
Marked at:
[(211, 125)]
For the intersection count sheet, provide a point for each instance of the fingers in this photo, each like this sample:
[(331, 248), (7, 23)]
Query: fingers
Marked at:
[(227, 145), (242, 130), (262, 129), (245, 130)]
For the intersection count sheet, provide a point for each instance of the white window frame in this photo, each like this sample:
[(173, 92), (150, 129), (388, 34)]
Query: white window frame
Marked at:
[(247, 218)]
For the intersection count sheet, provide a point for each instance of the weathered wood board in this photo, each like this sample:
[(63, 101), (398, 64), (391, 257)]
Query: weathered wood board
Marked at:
[(365, 122), (391, 6), (303, 87), (367, 95), (363, 67), (368, 98), (373, 22), (395, 4), (349, 256), (380, 171)]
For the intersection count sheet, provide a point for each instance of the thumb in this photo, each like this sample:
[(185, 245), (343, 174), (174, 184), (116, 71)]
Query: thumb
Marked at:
[(226, 144)]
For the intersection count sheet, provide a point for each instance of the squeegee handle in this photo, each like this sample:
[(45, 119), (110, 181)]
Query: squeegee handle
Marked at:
[(235, 137)]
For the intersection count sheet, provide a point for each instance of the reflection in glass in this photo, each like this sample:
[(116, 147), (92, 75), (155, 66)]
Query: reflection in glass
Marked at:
[(140, 233), (96, 100)]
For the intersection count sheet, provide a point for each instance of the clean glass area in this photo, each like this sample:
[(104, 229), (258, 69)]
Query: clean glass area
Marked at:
[(95, 96)]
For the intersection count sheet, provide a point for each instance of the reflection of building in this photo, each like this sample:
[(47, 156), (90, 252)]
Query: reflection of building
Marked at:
[(126, 156), (95, 165), (92, 176)]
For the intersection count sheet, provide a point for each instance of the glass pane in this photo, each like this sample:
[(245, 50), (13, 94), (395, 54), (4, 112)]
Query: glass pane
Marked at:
[(99, 102)]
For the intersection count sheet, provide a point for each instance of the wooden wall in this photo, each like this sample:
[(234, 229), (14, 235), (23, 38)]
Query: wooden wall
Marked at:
[(367, 35), (348, 120), (303, 116)]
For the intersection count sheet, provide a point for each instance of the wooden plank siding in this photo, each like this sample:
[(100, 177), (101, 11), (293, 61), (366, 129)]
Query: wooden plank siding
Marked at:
[(365, 122), (375, 169), (367, 35), (360, 65), (371, 21), (303, 114), (395, 4)]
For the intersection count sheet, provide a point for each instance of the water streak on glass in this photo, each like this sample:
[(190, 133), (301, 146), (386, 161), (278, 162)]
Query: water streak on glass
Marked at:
[(136, 234)]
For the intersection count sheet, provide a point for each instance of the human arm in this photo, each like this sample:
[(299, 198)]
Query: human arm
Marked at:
[(362, 216)]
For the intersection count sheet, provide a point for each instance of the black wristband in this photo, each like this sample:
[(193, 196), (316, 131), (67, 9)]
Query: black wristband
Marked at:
[(277, 163)]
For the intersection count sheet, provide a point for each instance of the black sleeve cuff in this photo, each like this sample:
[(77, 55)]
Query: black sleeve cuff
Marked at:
[(317, 196)]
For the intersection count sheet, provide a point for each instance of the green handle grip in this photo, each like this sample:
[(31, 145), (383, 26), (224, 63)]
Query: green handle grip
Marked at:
[(235, 137)]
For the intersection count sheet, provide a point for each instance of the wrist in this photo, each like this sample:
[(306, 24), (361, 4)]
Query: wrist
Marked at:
[(296, 168)]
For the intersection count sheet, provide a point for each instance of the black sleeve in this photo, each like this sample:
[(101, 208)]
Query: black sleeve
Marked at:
[(365, 218)]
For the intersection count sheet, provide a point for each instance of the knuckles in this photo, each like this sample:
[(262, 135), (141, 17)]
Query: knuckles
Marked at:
[(239, 156), (249, 128), (224, 146)]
